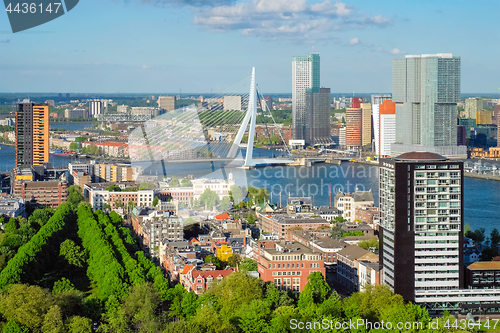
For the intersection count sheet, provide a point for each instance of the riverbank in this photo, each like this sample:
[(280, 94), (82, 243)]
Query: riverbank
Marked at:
[(466, 174)]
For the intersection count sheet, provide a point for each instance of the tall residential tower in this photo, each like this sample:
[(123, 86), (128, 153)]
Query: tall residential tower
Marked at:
[(32, 134), (426, 89), (305, 75)]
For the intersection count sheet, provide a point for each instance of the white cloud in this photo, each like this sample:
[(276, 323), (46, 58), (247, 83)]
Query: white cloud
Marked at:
[(285, 19), (354, 41), (395, 51)]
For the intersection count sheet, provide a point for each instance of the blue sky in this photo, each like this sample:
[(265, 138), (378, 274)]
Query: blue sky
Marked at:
[(143, 46)]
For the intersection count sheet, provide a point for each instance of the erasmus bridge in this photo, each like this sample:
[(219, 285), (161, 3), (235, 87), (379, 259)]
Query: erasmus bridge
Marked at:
[(212, 131)]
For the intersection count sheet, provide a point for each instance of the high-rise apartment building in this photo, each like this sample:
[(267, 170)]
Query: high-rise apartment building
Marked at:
[(168, 103), (378, 99), (305, 75), (421, 220), (426, 89), (32, 134), (384, 120), (473, 105), (95, 108), (366, 124), (354, 127), (317, 124)]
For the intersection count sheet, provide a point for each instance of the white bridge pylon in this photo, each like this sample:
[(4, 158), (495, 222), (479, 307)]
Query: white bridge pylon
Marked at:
[(251, 117)]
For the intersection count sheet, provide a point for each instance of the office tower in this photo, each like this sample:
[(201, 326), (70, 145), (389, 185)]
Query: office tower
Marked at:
[(384, 120), (317, 125), (95, 108), (305, 75), (232, 103), (366, 124), (168, 103), (354, 127), (484, 117), (32, 134), (421, 211), (473, 105), (376, 100), (426, 90)]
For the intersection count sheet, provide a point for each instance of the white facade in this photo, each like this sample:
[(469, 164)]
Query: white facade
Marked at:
[(95, 108), (232, 103), (219, 186), (387, 133)]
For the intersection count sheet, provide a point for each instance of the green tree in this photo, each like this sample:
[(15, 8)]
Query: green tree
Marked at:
[(77, 324), (488, 253), (353, 233), (216, 261), (248, 264), (337, 233), (254, 317), (119, 203), (339, 219), (155, 201), (140, 306), (466, 229), (225, 202), (73, 146), (258, 195), (75, 195), (234, 260), (236, 193), (174, 182), (113, 188), (494, 237), (209, 199), (72, 253), (479, 235), (146, 186), (250, 218), (62, 285), (366, 244), (13, 327), (53, 322), (316, 290), (186, 183)]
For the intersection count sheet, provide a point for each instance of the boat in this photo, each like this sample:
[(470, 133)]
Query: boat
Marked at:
[(63, 153)]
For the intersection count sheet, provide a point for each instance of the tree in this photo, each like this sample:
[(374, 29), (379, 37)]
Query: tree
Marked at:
[(479, 235), (77, 324), (236, 194), (250, 218), (73, 146), (113, 188), (216, 261), (155, 201), (119, 203), (174, 182), (234, 260), (107, 206), (337, 233), (75, 195), (13, 327), (62, 285), (316, 290), (209, 199), (248, 264), (72, 253), (225, 202), (130, 205), (339, 219), (494, 237), (146, 186), (186, 183), (258, 195), (488, 253), (366, 244), (466, 229)]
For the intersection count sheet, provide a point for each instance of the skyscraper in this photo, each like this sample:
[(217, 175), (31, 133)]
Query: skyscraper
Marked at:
[(305, 75), (378, 99), (366, 124), (317, 124), (354, 127), (384, 119), (168, 103), (32, 134), (421, 220), (95, 108), (426, 90), (473, 105)]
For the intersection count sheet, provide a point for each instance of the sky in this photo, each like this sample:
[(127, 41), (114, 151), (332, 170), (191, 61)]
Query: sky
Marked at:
[(199, 46)]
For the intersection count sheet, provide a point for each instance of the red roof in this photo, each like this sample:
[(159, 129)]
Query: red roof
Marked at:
[(497, 258), (186, 269), (213, 274), (222, 216)]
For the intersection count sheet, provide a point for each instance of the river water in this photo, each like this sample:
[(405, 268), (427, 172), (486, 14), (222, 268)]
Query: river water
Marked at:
[(481, 201)]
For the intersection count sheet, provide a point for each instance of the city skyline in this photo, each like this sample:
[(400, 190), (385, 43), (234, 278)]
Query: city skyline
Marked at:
[(180, 45)]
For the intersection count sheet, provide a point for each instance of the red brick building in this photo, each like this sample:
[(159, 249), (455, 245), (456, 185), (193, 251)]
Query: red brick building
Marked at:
[(278, 224), (51, 194), (199, 281), (287, 264), (366, 214)]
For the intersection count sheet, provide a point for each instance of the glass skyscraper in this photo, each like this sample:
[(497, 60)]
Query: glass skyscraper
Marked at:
[(426, 89), (305, 75)]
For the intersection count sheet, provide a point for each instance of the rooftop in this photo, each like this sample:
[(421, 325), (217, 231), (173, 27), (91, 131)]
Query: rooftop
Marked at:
[(485, 265), (420, 155)]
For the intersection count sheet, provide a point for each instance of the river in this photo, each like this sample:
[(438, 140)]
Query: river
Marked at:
[(481, 199)]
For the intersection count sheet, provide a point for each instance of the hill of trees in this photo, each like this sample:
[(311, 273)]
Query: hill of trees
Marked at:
[(77, 271)]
